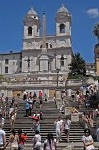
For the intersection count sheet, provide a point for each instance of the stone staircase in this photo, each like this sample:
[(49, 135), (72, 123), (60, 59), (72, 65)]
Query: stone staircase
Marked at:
[(50, 113)]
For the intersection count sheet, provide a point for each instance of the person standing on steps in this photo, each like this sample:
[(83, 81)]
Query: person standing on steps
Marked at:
[(22, 139), (67, 124), (36, 125), (45, 97), (2, 137), (40, 98), (27, 106), (50, 142), (61, 127), (57, 124), (37, 141), (13, 141), (87, 140)]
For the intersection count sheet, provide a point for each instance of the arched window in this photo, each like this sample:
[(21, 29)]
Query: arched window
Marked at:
[(62, 28), (29, 31), (62, 60)]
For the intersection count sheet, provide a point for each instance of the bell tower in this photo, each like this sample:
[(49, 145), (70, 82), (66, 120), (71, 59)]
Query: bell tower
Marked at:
[(63, 22), (31, 28), (31, 24)]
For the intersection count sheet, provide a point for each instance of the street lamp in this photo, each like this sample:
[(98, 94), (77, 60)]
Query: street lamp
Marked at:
[(57, 70)]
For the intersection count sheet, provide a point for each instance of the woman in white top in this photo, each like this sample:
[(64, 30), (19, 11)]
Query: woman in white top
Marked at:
[(88, 140), (58, 128), (37, 141)]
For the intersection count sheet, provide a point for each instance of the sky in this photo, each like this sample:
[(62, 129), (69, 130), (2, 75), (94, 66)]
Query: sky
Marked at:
[(84, 13)]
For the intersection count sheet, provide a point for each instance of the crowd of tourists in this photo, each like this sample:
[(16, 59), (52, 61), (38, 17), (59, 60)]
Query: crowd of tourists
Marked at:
[(31, 100), (87, 97)]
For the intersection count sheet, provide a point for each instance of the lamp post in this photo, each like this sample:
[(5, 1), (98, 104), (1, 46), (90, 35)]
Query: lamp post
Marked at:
[(57, 70)]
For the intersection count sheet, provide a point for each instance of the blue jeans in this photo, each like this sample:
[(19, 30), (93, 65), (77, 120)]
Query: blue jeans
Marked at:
[(20, 147)]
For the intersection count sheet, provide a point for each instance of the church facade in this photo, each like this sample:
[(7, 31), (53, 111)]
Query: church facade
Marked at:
[(41, 53)]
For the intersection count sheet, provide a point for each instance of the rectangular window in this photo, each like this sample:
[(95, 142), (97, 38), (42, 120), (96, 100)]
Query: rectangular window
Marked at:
[(6, 69), (6, 61), (62, 62)]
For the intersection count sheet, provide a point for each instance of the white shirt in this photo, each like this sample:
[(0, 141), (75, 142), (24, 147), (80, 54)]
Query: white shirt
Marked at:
[(58, 125), (61, 123), (87, 139), (2, 132), (97, 134), (67, 124), (37, 139), (11, 110)]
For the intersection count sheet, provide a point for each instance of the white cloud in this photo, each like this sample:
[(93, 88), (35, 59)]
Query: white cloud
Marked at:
[(93, 12)]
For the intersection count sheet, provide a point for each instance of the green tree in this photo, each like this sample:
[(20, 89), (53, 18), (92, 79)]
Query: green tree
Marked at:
[(96, 31), (77, 66)]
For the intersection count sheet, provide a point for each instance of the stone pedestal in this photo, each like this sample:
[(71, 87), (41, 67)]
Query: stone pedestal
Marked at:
[(44, 63), (74, 117), (68, 110), (58, 94)]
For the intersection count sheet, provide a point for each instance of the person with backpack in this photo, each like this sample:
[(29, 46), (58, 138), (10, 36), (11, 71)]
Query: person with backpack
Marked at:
[(50, 142), (22, 139)]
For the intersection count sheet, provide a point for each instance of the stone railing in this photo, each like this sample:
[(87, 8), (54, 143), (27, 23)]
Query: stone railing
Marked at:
[(36, 82)]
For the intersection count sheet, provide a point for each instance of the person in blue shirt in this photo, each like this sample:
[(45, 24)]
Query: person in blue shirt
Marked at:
[(27, 106)]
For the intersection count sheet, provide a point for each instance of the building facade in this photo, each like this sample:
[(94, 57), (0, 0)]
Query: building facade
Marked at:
[(41, 53), (90, 69)]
